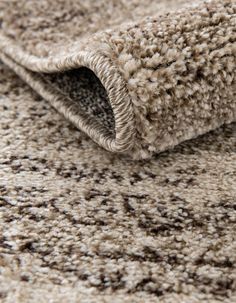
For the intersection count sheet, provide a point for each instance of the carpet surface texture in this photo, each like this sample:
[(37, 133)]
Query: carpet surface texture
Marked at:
[(148, 80)]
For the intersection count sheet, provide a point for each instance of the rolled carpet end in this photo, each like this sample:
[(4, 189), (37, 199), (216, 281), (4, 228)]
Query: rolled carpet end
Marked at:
[(140, 87)]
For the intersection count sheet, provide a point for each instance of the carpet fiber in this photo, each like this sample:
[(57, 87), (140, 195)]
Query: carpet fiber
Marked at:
[(82, 224)]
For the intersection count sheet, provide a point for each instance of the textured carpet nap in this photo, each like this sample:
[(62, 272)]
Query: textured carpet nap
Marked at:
[(159, 78), (81, 224)]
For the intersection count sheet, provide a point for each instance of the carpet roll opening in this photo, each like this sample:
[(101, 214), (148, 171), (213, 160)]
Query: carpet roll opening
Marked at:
[(83, 87), (87, 89), (93, 96)]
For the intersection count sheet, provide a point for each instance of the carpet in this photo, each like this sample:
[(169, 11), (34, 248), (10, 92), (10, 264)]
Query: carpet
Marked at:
[(80, 223), (159, 79)]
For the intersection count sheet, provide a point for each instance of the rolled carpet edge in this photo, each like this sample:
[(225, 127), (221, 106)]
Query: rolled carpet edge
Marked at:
[(168, 78), (29, 68)]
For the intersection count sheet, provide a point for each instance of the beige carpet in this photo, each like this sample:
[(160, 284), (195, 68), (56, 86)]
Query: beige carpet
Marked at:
[(136, 79), (82, 224)]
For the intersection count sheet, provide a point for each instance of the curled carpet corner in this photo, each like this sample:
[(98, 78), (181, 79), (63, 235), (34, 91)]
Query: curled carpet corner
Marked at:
[(138, 78)]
